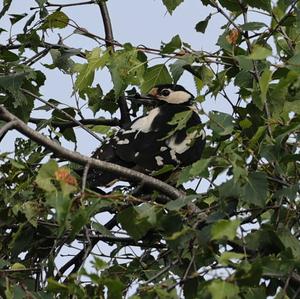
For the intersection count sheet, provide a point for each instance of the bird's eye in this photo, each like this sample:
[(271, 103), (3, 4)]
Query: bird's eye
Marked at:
[(165, 92)]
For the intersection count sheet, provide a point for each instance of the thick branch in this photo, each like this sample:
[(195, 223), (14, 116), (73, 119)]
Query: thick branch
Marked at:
[(8, 126), (83, 160)]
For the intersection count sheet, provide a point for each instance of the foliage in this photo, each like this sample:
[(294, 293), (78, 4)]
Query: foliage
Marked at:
[(238, 239)]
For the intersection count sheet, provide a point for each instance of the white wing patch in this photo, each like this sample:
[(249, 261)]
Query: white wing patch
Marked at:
[(183, 146), (125, 141), (159, 160)]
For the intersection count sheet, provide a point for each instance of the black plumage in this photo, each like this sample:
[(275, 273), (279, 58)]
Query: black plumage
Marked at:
[(154, 140)]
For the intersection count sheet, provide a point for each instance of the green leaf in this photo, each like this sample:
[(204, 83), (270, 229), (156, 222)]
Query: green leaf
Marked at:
[(126, 66), (31, 210), (250, 26), (221, 123), (171, 5), (293, 63), (17, 266), (223, 290), (177, 204), (137, 221), (56, 20), (177, 69), (14, 18), (289, 241), (260, 4), (292, 106), (96, 59), (256, 189), (154, 75), (244, 63), (200, 167), (202, 25), (243, 79), (46, 175), (264, 86), (264, 81), (225, 229), (171, 46), (259, 53), (6, 5), (229, 257), (231, 5), (62, 205)]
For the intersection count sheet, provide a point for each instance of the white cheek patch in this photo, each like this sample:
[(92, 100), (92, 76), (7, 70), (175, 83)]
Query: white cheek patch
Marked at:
[(177, 97), (144, 123)]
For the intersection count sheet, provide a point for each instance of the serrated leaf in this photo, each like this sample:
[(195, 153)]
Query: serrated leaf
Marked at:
[(221, 123), (31, 211), (202, 25), (259, 53), (260, 4), (177, 204), (132, 221), (126, 66), (256, 189), (229, 257), (46, 175), (171, 5), (223, 290), (172, 45), (154, 75), (56, 20), (200, 168), (231, 5), (225, 229), (177, 69), (96, 59)]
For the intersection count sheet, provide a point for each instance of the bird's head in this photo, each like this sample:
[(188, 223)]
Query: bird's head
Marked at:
[(165, 93), (171, 93)]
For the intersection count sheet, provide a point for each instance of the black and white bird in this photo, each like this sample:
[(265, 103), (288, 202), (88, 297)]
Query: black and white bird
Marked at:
[(155, 139)]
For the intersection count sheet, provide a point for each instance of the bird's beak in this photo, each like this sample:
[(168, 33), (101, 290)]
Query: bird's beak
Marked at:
[(148, 100)]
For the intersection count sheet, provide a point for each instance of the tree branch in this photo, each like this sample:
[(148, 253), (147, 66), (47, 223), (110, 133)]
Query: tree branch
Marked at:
[(109, 42), (63, 112), (8, 126), (87, 121), (109, 39), (83, 160)]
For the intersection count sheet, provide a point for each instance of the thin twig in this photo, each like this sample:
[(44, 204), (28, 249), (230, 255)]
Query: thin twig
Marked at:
[(161, 272), (87, 121), (84, 177), (64, 5), (63, 112)]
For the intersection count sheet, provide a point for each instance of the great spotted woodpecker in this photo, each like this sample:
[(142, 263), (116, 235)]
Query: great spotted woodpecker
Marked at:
[(170, 133)]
